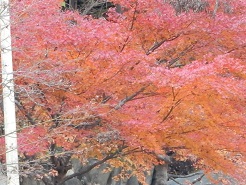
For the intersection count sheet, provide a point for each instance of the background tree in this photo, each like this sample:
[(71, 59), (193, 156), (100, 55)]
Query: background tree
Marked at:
[(130, 86)]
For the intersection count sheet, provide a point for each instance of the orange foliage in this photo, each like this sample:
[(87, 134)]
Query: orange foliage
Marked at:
[(147, 78)]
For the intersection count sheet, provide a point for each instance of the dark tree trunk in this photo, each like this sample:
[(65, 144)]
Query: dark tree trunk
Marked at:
[(73, 4)]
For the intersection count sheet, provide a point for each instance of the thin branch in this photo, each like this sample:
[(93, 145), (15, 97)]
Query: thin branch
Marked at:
[(115, 74), (171, 62), (158, 44), (237, 48), (185, 132), (135, 150), (198, 179), (171, 110), (131, 27), (155, 46), (146, 95), (134, 16), (23, 110), (185, 176), (174, 94), (125, 43)]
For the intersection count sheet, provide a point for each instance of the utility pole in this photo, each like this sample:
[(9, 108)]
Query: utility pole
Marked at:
[(8, 97)]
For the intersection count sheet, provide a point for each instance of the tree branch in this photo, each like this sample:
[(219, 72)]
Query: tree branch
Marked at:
[(216, 6), (171, 110), (158, 44), (22, 108), (185, 176), (171, 62), (90, 167), (198, 179), (128, 98)]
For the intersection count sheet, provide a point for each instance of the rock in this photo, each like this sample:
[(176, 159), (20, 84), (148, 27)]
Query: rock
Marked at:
[(132, 181), (76, 164), (149, 176), (73, 181), (210, 179), (31, 181)]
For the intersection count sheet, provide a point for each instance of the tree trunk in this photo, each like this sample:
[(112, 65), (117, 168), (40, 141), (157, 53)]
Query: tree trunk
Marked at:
[(73, 4), (160, 176)]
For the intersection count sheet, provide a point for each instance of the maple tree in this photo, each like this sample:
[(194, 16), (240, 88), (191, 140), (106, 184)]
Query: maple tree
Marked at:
[(158, 76)]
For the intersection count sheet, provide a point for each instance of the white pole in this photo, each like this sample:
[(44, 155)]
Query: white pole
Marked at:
[(8, 97)]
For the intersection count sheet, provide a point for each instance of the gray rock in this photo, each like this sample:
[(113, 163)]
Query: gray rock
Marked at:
[(98, 176), (76, 164), (73, 181), (114, 173), (132, 181), (31, 181), (205, 180), (149, 176)]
